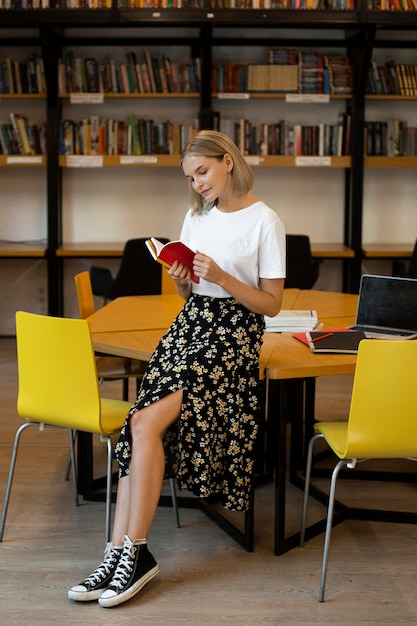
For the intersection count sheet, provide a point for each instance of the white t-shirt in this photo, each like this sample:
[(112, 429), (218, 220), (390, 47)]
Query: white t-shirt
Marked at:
[(248, 244)]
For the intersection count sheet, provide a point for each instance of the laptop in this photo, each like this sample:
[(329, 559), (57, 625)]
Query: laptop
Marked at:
[(387, 307)]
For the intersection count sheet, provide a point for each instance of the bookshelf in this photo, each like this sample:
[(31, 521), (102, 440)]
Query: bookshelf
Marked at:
[(214, 36), (23, 176)]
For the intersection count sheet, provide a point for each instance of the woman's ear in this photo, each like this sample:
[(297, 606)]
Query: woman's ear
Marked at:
[(228, 161)]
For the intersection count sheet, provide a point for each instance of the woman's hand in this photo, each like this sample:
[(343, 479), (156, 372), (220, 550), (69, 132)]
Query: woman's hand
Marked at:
[(182, 275), (205, 267)]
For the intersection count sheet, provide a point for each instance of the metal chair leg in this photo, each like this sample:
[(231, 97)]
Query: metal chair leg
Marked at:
[(174, 501), (108, 484), (307, 486), (68, 468), (71, 462), (11, 473), (329, 523)]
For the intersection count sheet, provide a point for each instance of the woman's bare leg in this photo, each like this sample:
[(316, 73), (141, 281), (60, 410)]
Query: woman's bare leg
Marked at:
[(138, 493)]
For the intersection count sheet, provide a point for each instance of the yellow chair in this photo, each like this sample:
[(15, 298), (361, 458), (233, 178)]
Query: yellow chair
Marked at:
[(108, 367), (382, 420), (112, 367), (58, 387)]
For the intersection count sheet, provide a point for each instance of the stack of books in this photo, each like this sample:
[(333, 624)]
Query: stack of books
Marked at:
[(291, 321)]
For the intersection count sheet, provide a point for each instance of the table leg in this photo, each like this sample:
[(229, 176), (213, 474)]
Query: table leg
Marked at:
[(288, 401)]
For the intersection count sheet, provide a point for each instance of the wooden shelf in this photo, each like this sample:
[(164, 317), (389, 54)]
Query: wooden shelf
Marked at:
[(173, 160), (22, 96), (22, 250), (134, 96), (387, 250), (144, 160), (89, 249), (236, 95), (384, 161), (22, 160), (331, 251), (115, 249), (389, 97)]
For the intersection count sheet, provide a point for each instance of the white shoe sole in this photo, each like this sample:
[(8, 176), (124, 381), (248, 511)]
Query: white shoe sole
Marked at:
[(84, 596), (129, 593)]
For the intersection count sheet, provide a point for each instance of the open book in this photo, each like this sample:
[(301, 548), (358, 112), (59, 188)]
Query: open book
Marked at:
[(170, 252)]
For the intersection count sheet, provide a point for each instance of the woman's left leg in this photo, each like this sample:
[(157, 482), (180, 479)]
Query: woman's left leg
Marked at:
[(139, 496)]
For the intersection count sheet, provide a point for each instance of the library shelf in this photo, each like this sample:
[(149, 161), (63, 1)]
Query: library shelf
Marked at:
[(115, 249), (387, 250), (11, 249)]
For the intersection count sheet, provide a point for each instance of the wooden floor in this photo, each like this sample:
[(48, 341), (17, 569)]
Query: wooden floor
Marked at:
[(205, 577)]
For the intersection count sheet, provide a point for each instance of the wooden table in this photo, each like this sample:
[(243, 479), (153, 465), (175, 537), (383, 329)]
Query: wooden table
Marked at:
[(132, 327)]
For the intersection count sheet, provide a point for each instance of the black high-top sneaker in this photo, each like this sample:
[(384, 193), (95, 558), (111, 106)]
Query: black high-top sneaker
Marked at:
[(135, 568), (92, 587)]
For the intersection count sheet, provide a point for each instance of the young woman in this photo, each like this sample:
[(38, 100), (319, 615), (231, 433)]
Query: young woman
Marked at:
[(198, 403)]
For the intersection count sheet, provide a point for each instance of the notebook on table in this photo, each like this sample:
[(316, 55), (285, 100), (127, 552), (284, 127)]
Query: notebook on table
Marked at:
[(387, 307)]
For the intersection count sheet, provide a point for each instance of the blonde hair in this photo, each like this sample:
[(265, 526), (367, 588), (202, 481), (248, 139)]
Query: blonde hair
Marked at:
[(212, 144)]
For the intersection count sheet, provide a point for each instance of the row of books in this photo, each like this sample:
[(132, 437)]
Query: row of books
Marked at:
[(392, 78), (238, 4), (391, 138), (141, 136), (135, 136), (308, 73), (150, 74), (22, 77), (20, 137), (340, 5), (289, 139), (324, 73), (181, 4), (392, 5)]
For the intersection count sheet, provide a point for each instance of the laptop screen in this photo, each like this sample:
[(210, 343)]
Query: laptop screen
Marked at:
[(387, 301)]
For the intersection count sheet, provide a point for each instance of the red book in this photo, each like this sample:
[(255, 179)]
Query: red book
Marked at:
[(172, 251)]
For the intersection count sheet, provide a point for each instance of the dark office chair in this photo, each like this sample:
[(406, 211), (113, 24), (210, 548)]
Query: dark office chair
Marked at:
[(302, 268), (138, 273), (400, 267)]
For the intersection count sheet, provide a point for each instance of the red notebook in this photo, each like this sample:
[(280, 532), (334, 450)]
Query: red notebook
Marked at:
[(170, 252)]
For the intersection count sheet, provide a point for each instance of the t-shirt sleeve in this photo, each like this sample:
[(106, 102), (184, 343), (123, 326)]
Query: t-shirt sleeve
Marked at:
[(272, 260)]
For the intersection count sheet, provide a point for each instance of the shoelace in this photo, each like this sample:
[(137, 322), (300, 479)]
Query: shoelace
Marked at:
[(104, 569), (124, 567)]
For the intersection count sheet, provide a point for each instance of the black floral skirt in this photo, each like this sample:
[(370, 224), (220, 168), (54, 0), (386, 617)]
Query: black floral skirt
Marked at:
[(211, 352)]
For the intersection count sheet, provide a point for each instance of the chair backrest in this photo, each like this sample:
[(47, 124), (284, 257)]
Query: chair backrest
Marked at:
[(138, 273), (85, 298), (302, 269), (57, 374), (383, 409)]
